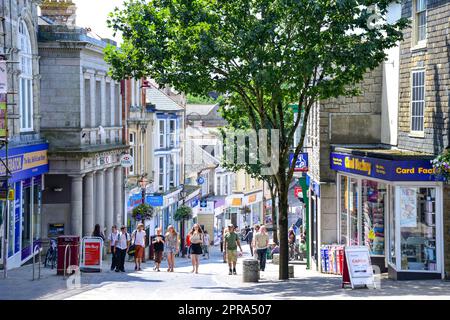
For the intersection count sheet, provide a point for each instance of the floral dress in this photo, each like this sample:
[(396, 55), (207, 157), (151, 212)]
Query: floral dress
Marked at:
[(171, 244)]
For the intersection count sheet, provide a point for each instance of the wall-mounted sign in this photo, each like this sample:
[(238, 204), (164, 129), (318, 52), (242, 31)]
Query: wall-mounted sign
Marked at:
[(298, 192), (3, 116), (201, 180), (126, 160), (3, 78), (391, 170), (301, 165), (155, 201)]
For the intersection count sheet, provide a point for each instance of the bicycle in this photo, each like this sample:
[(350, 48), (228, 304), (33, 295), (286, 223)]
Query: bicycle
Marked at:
[(51, 255)]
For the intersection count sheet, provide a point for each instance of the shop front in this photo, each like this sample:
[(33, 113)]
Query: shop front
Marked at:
[(393, 207), (21, 211)]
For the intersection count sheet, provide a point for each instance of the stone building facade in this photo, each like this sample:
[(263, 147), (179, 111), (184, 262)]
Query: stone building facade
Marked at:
[(82, 120), (20, 225)]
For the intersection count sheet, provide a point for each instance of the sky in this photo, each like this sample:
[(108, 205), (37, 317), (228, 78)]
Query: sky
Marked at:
[(93, 14)]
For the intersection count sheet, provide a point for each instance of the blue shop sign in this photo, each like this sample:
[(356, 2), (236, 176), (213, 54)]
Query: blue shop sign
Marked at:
[(195, 202), (301, 165), (390, 170), (155, 201)]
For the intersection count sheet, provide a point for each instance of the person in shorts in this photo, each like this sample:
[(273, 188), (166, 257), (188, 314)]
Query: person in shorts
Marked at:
[(231, 240), (158, 248), (139, 242)]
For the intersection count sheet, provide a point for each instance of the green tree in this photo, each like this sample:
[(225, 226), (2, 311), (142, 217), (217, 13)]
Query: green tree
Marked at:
[(269, 53)]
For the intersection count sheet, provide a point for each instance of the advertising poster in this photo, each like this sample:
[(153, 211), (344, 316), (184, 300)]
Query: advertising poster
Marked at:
[(408, 207), (3, 78), (92, 253), (3, 113)]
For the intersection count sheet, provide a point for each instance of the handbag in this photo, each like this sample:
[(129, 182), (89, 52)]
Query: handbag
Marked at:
[(132, 248)]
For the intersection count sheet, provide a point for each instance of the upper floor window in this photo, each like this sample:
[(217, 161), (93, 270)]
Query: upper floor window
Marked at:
[(417, 100), (420, 21), (161, 174), (172, 181), (133, 152), (25, 78), (172, 132), (162, 133)]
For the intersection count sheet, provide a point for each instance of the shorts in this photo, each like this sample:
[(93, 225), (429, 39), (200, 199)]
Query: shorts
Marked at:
[(231, 256), (158, 256), (139, 253), (196, 248)]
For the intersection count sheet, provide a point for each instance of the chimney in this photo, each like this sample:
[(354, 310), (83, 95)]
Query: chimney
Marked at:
[(61, 12)]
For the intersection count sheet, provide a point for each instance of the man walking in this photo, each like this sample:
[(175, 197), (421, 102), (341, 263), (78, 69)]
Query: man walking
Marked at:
[(231, 241), (249, 238), (121, 248), (138, 239), (112, 243)]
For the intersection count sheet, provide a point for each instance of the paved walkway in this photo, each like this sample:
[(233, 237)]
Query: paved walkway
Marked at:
[(212, 283)]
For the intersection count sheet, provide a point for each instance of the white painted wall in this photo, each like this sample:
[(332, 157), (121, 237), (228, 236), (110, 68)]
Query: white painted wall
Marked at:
[(391, 71)]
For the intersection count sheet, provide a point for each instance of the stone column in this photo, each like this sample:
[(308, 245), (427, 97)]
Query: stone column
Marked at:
[(103, 106), (109, 196), (82, 100), (76, 205), (100, 199), (118, 196), (88, 199), (113, 103), (93, 124)]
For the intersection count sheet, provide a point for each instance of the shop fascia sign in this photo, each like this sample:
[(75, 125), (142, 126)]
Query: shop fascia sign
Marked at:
[(391, 170), (301, 165), (253, 198)]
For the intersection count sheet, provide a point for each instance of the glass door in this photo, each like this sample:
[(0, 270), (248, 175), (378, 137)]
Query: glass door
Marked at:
[(353, 212)]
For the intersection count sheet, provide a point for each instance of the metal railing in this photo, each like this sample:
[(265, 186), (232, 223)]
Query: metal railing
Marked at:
[(65, 258), (37, 250)]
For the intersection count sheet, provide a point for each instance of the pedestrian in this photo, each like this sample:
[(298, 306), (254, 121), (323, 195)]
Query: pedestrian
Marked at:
[(197, 238), (261, 242), (138, 239), (220, 236), (171, 247), (188, 245), (249, 238), (206, 242), (98, 233), (112, 243), (158, 248), (225, 231), (121, 247), (231, 244)]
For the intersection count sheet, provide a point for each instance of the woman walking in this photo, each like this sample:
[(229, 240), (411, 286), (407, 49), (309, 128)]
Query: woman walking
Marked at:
[(171, 247), (261, 244), (197, 238), (158, 248)]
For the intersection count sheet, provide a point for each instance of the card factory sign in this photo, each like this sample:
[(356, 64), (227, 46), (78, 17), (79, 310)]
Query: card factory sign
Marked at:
[(391, 170)]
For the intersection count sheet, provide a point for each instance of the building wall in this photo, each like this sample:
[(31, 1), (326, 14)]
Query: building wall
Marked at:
[(435, 58), (447, 230)]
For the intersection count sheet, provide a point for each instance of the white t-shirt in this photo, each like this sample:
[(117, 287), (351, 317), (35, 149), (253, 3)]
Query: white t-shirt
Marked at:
[(139, 236), (112, 238), (122, 239), (206, 240)]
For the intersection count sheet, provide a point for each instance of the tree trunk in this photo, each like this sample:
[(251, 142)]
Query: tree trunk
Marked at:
[(283, 227), (182, 238)]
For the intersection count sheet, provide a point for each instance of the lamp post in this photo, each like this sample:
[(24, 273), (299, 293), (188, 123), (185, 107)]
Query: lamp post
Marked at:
[(182, 244)]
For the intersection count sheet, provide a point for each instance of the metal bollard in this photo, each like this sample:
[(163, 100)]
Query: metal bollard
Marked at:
[(276, 258), (36, 248), (65, 259), (250, 270), (291, 271)]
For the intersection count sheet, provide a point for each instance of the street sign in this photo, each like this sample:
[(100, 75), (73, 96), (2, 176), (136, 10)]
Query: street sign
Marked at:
[(302, 162), (126, 160), (298, 191)]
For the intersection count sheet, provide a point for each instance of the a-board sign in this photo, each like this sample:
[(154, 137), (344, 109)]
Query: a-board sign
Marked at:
[(91, 254), (357, 267)]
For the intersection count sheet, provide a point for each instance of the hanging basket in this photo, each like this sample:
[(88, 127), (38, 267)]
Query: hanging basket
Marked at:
[(183, 213), (143, 212), (441, 165)]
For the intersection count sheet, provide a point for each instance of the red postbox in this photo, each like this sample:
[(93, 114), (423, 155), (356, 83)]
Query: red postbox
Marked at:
[(68, 248)]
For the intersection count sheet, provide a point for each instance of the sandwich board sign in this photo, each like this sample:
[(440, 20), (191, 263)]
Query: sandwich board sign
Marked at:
[(91, 254), (358, 270)]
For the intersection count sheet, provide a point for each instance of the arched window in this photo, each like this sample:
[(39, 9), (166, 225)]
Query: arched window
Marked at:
[(25, 78)]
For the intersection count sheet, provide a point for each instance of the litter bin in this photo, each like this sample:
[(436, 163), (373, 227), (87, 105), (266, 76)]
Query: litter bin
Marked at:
[(68, 248)]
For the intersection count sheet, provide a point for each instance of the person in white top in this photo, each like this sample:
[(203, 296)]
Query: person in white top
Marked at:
[(112, 242), (121, 247), (206, 242), (138, 239)]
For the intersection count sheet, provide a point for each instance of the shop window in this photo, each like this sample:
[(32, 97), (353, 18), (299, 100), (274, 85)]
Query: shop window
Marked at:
[(353, 211), (392, 237), (373, 213), (417, 217), (36, 212), (344, 209), (26, 217)]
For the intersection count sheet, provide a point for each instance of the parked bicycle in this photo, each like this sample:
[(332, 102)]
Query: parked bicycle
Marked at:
[(51, 255)]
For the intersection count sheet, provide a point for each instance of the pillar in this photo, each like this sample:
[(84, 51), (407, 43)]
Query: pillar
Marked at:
[(88, 203), (109, 197), (93, 107), (76, 205), (118, 196), (103, 106), (100, 199)]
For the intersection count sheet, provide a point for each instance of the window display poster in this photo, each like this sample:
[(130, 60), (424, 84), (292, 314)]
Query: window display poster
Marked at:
[(408, 207)]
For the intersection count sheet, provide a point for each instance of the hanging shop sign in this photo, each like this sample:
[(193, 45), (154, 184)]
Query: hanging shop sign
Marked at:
[(126, 160), (301, 165), (155, 201), (201, 180), (357, 267), (391, 170)]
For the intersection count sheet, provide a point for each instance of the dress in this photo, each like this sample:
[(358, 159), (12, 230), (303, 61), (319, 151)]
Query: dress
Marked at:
[(171, 244)]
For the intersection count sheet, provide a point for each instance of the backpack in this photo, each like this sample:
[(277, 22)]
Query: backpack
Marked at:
[(132, 248)]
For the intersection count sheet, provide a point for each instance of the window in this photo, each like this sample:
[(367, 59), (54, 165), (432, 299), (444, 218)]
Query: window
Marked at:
[(420, 21), (172, 130), (133, 152), (162, 132), (161, 174), (417, 100), (172, 171), (25, 79)]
